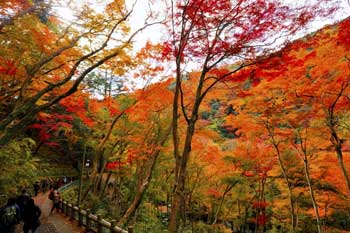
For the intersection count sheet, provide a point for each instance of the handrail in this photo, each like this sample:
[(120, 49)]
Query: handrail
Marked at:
[(79, 214), (64, 187)]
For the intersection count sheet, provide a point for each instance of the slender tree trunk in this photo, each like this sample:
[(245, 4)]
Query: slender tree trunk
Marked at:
[(342, 167), (227, 190), (180, 188), (326, 204), (261, 198), (84, 196), (134, 205), (296, 215), (140, 192), (285, 177), (38, 147), (98, 163), (312, 195), (105, 184), (190, 195), (335, 140), (191, 210), (290, 193), (303, 152), (245, 218), (105, 85), (143, 183), (117, 196), (175, 125)]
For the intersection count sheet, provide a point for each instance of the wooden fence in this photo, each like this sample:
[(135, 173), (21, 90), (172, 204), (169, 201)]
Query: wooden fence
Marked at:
[(91, 222)]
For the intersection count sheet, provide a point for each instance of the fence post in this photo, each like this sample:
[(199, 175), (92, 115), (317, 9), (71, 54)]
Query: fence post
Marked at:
[(69, 211), (99, 224), (80, 216), (67, 208), (60, 206), (88, 220), (113, 224), (63, 207), (72, 213)]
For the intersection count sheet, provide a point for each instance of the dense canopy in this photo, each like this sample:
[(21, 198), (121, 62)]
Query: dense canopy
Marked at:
[(235, 120)]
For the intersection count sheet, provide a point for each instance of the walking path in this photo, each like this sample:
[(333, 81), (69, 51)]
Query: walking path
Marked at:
[(52, 223)]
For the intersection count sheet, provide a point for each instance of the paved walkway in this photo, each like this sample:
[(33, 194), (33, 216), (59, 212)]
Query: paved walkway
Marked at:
[(52, 223)]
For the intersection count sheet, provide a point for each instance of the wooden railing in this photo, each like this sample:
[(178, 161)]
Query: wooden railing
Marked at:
[(91, 222)]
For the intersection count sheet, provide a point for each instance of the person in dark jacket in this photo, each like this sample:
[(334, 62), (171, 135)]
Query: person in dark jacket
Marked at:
[(9, 216), (31, 217), (36, 187), (22, 200)]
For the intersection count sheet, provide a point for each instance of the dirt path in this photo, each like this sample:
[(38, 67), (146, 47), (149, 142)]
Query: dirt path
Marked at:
[(52, 223)]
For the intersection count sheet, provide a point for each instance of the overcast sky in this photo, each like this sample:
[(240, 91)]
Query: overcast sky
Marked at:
[(154, 33), (142, 6)]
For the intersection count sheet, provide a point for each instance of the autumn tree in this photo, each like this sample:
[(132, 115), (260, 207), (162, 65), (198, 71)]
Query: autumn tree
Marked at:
[(148, 139), (328, 103), (334, 94), (19, 168), (11, 10), (48, 60), (303, 98), (208, 34), (116, 111)]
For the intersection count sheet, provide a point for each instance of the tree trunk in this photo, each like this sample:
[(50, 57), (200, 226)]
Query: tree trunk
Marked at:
[(296, 214), (290, 193), (105, 184), (285, 177), (303, 152), (261, 198), (335, 140), (37, 148), (175, 124), (134, 205), (245, 218), (23, 116), (143, 183), (181, 179), (227, 190), (342, 167), (314, 203)]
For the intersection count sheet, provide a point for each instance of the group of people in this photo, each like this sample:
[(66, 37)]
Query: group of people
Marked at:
[(19, 209), (45, 183), (23, 209)]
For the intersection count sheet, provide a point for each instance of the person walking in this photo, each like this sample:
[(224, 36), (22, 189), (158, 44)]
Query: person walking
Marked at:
[(36, 187), (56, 201), (22, 201), (31, 217), (44, 185), (9, 216)]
